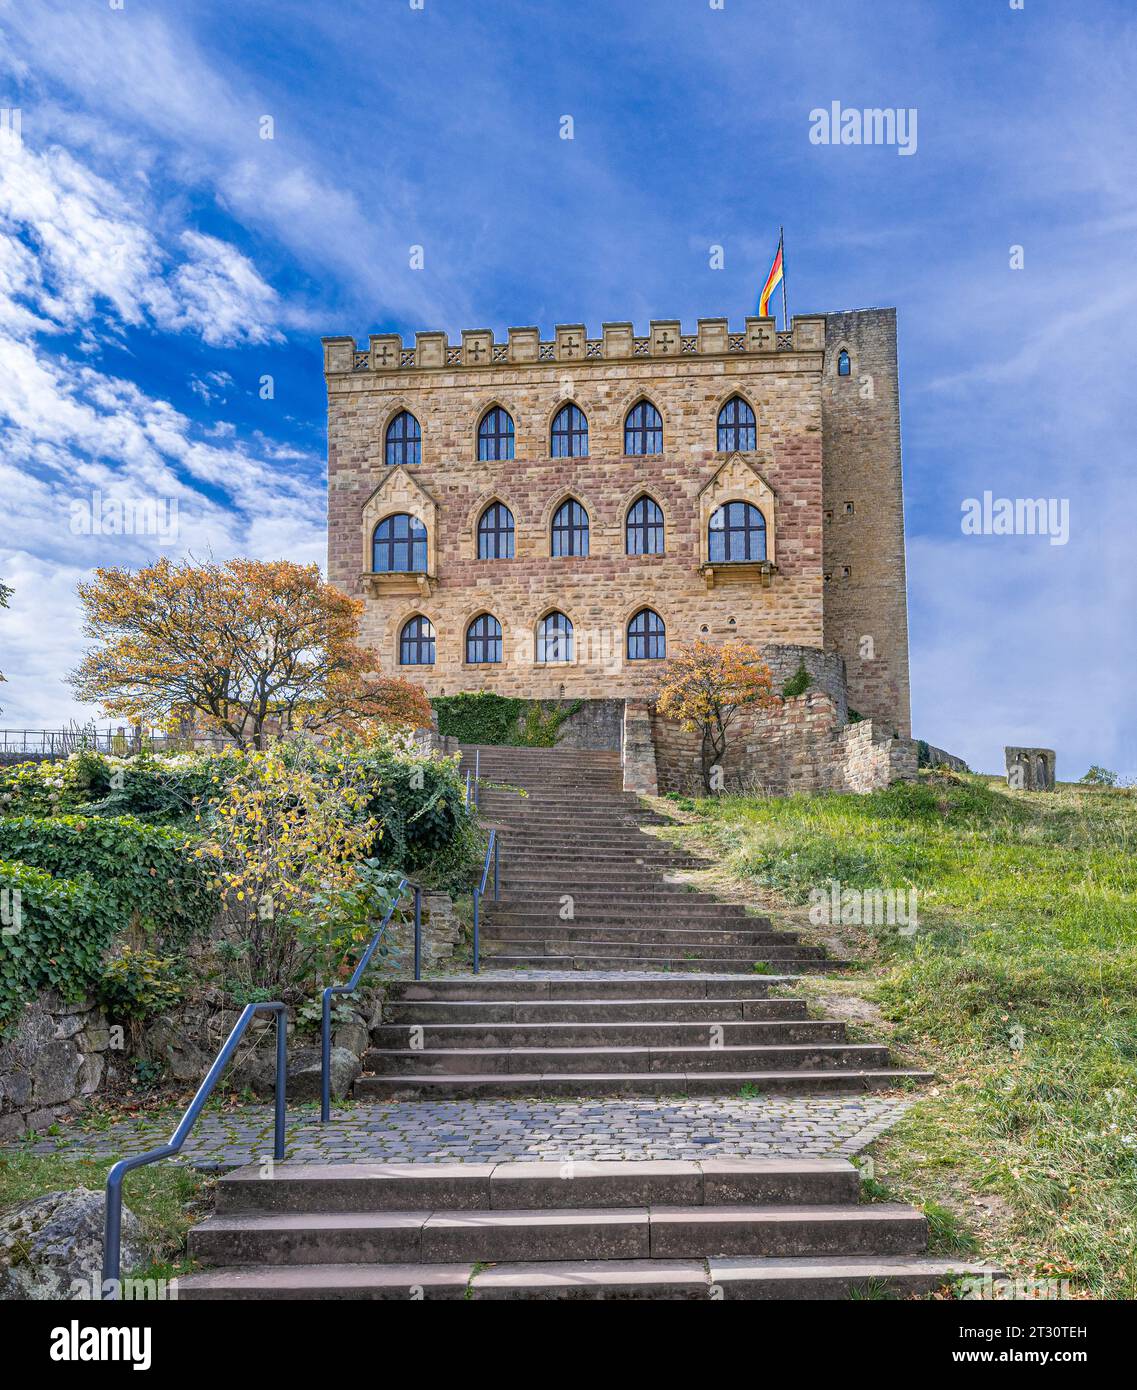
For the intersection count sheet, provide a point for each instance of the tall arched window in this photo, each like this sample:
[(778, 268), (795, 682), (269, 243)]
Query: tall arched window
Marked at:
[(647, 637), (495, 533), (399, 545), (404, 439), (416, 642), (483, 641), (737, 532), (554, 638), (643, 430), (495, 434), (644, 528), (844, 366), (737, 430), (570, 529), (569, 435)]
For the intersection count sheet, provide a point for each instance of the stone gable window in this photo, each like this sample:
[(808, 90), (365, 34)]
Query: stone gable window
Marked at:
[(399, 546), (416, 642), (844, 366), (737, 429), (644, 528), (647, 637), (569, 435), (570, 529), (495, 435), (404, 440), (496, 533), (643, 430), (736, 534), (554, 638), (483, 641)]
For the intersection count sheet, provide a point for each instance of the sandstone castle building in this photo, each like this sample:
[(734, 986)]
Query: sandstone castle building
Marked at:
[(542, 518)]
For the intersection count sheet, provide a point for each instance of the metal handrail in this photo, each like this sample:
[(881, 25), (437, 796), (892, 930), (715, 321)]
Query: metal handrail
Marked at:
[(492, 852), (353, 984), (112, 1220)]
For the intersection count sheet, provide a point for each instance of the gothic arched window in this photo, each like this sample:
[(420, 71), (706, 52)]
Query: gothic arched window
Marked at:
[(483, 641), (844, 366), (495, 435), (399, 545), (736, 532), (416, 642), (495, 533), (643, 430), (647, 637), (569, 435), (570, 529), (643, 532), (554, 638), (737, 429), (404, 440)]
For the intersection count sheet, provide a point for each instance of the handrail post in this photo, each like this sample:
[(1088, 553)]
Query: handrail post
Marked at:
[(326, 1057), (281, 1083), (477, 895), (496, 870), (418, 932)]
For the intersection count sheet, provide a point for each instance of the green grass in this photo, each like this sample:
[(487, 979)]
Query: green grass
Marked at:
[(168, 1198), (1019, 989)]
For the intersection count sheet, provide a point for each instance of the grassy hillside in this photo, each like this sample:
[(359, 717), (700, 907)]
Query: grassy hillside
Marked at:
[(1019, 988)]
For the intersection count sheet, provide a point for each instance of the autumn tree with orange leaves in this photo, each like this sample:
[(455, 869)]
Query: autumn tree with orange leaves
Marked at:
[(246, 647), (704, 685)]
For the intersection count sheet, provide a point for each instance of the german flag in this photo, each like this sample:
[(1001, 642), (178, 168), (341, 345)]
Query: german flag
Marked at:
[(773, 280)]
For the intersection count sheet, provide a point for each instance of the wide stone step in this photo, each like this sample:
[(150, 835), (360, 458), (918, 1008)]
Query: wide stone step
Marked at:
[(608, 1059), (473, 1012), (634, 945), (467, 1086), (797, 965), (628, 910), (586, 1233), (818, 1278), (609, 985), (667, 1033), (535, 1184), (675, 936)]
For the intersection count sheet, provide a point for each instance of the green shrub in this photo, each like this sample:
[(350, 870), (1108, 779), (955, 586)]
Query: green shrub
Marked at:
[(137, 984), (55, 933), (798, 683), (146, 873)]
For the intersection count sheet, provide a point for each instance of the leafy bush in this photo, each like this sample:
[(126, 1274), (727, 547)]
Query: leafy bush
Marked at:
[(1100, 777), (146, 873), (137, 984), (798, 683), (55, 933)]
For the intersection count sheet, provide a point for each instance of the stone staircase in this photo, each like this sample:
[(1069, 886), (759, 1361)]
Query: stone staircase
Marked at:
[(646, 989), (722, 1228)]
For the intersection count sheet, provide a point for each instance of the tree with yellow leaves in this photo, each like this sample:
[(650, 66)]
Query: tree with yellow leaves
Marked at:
[(246, 647), (705, 684)]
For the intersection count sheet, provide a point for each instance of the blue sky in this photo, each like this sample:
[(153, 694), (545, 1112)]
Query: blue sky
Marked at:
[(158, 258)]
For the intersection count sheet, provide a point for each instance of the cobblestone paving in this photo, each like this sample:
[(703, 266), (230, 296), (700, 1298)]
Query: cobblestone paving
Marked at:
[(480, 1131)]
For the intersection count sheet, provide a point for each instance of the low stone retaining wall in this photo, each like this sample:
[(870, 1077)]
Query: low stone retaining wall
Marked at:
[(801, 745), (59, 1056)]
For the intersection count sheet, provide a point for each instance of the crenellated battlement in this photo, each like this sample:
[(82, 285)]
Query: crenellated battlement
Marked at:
[(570, 343)]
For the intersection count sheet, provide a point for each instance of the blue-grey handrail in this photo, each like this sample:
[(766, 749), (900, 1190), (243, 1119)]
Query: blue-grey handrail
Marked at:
[(112, 1220), (493, 855), (353, 984)]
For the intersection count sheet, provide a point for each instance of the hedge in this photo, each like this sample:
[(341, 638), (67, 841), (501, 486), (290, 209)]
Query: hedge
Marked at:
[(484, 717), (144, 873)]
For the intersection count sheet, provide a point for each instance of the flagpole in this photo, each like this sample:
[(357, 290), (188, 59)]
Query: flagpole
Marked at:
[(782, 248)]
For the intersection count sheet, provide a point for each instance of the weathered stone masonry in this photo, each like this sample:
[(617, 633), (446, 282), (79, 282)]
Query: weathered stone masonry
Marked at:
[(821, 444)]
